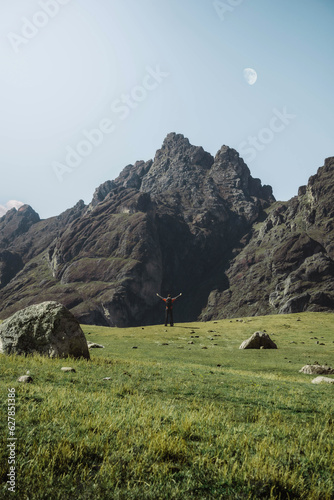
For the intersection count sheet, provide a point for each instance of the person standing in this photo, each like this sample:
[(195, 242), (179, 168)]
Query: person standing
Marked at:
[(169, 301)]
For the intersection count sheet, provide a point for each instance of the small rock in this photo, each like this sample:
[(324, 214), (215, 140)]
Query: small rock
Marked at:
[(164, 343), (204, 347), (93, 345), (107, 378), (258, 340), (317, 369), (319, 380), (67, 369), (191, 342), (26, 379)]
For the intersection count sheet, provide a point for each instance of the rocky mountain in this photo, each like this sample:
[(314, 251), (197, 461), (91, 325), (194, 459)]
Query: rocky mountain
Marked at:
[(184, 221)]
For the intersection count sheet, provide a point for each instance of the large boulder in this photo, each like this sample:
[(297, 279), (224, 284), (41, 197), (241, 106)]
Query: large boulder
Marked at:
[(259, 340), (47, 328)]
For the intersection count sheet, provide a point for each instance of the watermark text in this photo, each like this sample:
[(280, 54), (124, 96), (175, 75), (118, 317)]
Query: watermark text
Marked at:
[(121, 109), (30, 28), (11, 482), (278, 122)]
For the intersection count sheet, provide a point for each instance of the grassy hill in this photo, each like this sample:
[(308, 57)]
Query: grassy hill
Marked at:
[(185, 414)]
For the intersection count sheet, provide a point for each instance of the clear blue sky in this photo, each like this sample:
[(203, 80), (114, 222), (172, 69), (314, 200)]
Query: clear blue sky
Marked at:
[(139, 69)]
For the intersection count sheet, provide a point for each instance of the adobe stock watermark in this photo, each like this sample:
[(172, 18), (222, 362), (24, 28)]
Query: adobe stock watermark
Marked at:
[(223, 8), (31, 27), (277, 124), (121, 109)]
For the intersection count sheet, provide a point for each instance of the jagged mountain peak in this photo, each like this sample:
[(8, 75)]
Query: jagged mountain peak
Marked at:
[(189, 171)]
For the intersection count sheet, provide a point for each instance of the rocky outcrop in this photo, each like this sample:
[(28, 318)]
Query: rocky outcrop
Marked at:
[(48, 329), (15, 223), (259, 340)]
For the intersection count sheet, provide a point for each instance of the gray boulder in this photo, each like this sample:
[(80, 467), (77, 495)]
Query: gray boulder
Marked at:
[(47, 328), (259, 340), (317, 369)]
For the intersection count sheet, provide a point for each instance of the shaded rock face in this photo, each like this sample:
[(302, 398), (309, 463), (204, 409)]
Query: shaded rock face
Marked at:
[(48, 329), (259, 340), (10, 264), (287, 265), (169, 224)]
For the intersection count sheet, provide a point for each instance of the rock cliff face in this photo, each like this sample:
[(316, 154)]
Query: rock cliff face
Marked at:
[(184, 221), (170, 224), (287, 266)]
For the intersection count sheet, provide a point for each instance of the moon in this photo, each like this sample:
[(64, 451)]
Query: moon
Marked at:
[(250, 75)]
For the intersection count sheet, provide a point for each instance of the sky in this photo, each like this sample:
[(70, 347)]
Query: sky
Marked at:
[(89, 87)]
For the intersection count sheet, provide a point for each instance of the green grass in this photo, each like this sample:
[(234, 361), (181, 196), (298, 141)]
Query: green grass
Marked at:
[(171, 424)]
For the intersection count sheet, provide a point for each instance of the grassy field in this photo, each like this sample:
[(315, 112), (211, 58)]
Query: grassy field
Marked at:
[(176, 420)]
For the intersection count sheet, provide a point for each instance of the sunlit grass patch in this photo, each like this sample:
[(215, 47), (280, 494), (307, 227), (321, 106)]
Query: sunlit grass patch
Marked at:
[(174, 420)]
